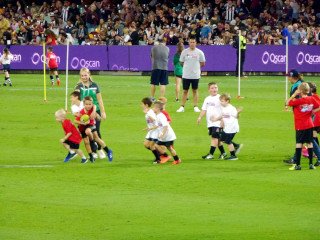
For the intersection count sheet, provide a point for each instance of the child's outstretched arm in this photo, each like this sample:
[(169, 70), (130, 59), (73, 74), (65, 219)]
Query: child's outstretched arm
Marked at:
[(202, 113)]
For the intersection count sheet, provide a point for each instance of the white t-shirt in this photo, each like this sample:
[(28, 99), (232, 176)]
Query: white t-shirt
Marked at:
[(163, 122), (151, 119), (76, 109), (6, 60), (230, 120), (191, 63), (212, 107)]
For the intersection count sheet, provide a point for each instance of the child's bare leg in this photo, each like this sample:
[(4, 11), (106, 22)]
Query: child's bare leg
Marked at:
[(80, 153), (103, 145), (98, 140), (174, 154)]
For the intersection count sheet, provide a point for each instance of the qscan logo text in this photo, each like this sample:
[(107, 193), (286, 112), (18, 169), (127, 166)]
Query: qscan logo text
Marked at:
[(307, 58), (273, 58), (37, 58), (84, 63)]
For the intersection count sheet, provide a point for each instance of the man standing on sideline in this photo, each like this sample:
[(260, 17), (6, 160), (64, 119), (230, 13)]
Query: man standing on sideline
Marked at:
[(243, 46), (192, 60), (159, 75)]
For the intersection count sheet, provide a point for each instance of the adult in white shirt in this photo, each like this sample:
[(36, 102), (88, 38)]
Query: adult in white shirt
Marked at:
[(192, 59)]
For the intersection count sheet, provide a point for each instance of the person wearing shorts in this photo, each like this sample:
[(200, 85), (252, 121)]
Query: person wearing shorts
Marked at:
[(5, 60), (303, 110), (159, 75), (192, 60)]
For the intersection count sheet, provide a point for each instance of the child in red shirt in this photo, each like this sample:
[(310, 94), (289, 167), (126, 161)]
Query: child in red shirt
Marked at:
[(316, 123), (72, 137), (302, 111), (53, 66), (88, 129)]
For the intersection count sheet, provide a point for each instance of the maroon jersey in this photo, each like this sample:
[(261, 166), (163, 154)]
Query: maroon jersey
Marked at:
[(68, 127), (83, 112)]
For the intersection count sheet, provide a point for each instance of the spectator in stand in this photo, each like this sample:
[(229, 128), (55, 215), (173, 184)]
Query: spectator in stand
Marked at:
[(134, 36), (183, 20), (295, 35), (285, 33), (4, 25), (51, 38), (92, 18)]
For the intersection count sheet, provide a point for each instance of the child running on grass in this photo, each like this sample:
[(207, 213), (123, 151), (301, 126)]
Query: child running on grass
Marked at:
[(72, 137), (302, 111), (152, 132), (229, 123), (165, 157), (76, 107), (166, 135), (88, 129)]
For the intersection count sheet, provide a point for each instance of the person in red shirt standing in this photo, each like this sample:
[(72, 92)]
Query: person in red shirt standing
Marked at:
[(303, 109), (53, 65), (72, 138), (316, 123)]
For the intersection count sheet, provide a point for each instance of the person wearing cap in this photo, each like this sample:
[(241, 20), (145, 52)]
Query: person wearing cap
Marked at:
[(295, 79), (159, 75)]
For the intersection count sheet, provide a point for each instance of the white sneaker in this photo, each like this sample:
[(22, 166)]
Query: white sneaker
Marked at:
[(196, 109), (101, 154), (181, 109), (95, 156)]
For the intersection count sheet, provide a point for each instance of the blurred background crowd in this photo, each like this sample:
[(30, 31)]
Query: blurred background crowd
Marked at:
[(144, 22)]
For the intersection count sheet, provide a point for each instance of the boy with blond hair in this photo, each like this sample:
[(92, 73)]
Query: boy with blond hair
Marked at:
[(302, 111), (229, 122), (72, 138)]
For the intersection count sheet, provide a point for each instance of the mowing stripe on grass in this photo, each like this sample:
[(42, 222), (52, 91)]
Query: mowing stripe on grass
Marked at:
[(26, 166)]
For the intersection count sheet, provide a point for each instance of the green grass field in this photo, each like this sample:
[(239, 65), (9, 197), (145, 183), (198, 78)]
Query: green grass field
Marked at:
[(256, 197)]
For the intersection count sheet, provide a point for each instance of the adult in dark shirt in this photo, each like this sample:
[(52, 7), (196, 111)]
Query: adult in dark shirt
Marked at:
[(134, 35)]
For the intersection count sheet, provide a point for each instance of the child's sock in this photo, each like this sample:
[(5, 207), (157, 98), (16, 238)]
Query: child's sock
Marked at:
[(156, 154), (9, 80), (221, 148), (233, 153), (212, 149), (93, 146), (298, 155), (106, 149), (72, 152), (235, 144), (51, 78), (176, 157), (310, 152), (57, 77), (165, 155)]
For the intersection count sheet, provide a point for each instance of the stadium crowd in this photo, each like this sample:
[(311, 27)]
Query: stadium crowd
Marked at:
[(144, 22)]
